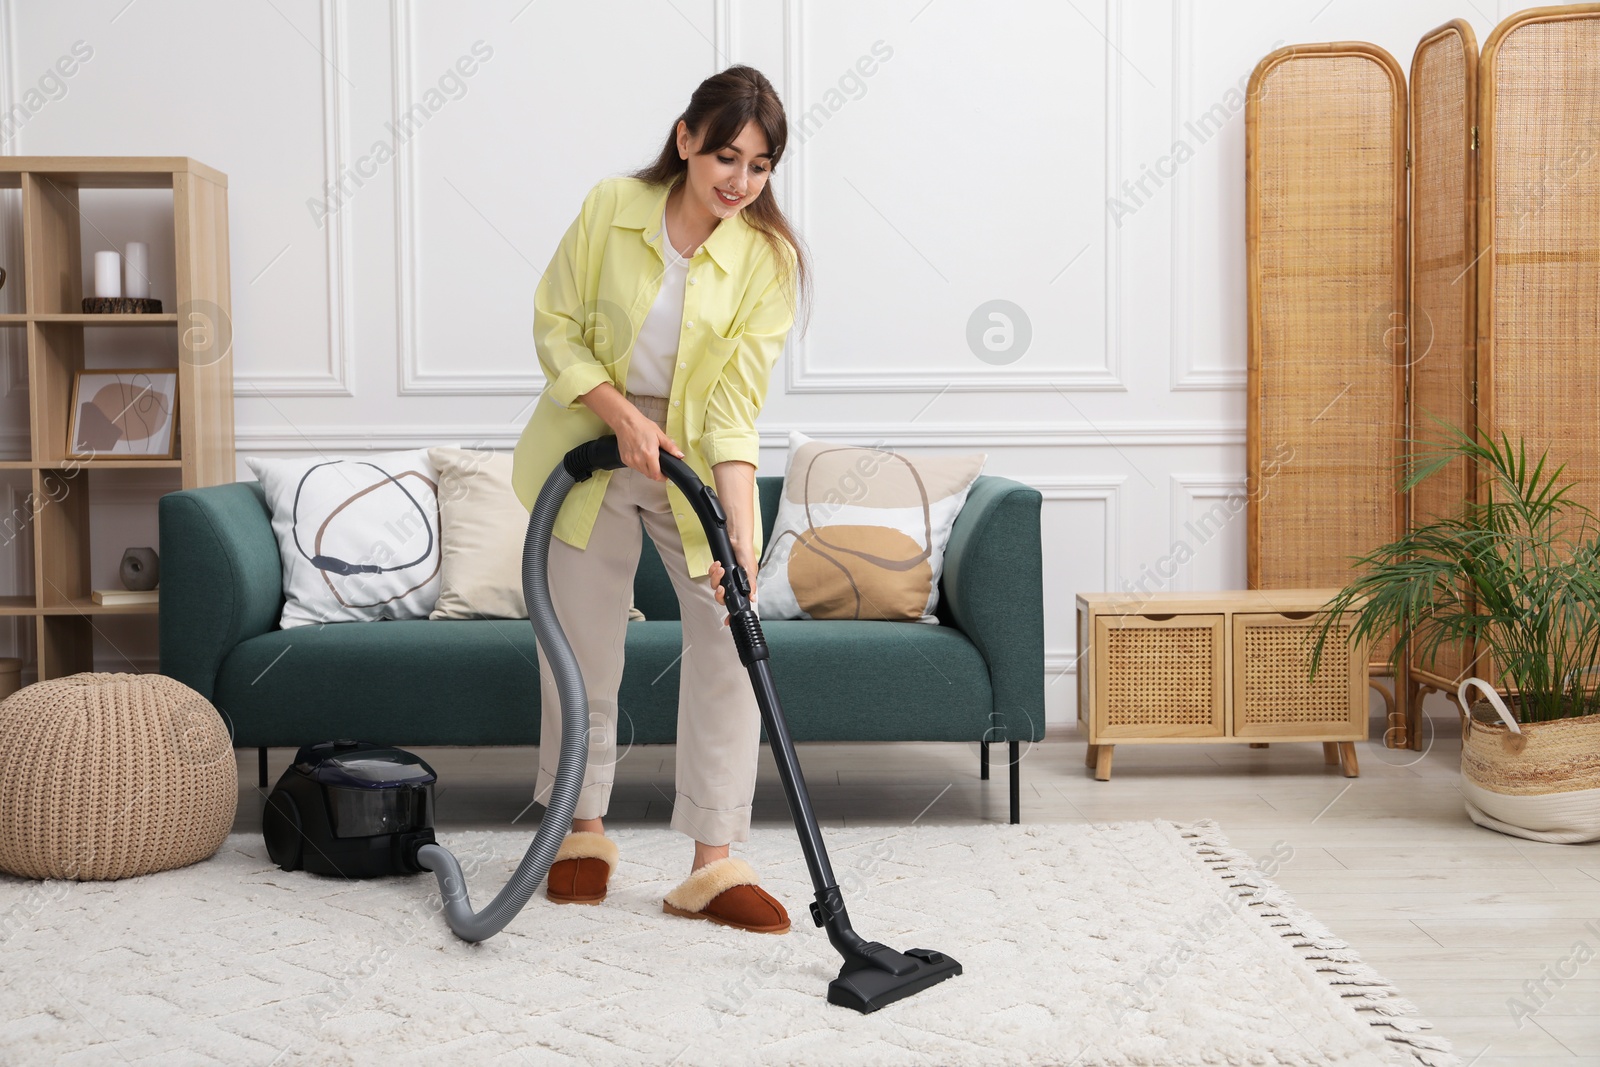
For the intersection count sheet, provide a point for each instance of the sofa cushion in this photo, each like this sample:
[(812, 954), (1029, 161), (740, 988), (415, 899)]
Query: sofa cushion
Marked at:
[(482, 528), (861, 532), (840, 680), (475, 682), (358, 536)]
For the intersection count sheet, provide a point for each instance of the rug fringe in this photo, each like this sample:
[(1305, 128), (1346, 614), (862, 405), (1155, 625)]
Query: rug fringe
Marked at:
[(1366, 991)]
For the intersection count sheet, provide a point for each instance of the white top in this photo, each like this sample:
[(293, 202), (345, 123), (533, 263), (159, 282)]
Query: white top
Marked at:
[(655, 353)]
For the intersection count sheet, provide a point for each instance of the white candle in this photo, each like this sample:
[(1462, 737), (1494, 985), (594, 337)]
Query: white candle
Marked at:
[(138, 267), (107, 274)]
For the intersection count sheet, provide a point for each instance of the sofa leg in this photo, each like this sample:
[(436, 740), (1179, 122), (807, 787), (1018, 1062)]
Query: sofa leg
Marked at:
[(1016, 783), (983, 761), (261, 767)]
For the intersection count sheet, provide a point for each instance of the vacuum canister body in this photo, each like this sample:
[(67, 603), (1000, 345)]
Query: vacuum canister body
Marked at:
[(350, 809)]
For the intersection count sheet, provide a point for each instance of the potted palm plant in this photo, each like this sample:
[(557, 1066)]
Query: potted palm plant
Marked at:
[(1516, 576)]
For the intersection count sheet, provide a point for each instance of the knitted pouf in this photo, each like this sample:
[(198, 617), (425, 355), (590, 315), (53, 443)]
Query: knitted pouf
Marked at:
[(112, 775)]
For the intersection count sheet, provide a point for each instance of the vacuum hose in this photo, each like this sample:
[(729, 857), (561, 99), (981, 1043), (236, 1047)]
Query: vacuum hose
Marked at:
[(476, 926), (873, 974)]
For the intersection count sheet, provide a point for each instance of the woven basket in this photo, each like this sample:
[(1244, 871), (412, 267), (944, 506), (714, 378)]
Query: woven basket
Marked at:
[(112, 775), (1542, 783)]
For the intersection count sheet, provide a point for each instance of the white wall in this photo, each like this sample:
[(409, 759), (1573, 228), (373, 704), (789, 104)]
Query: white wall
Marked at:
[(979, 161)]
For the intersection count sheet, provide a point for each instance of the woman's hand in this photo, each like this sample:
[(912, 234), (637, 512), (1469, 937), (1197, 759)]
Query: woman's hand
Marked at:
[(743, 556), (640, 441), (736, 489)]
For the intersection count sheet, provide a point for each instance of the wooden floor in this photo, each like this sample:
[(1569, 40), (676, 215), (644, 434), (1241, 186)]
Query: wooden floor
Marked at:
[(1463, 920)]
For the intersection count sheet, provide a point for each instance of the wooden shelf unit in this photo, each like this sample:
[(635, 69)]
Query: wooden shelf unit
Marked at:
[(1228, 667), (52, 274)]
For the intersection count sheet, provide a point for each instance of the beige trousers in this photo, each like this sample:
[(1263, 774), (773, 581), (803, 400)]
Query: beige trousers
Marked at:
[(719, 722)]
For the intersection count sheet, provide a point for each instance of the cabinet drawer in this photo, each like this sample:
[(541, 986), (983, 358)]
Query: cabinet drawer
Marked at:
[(1273, 695), (1159, 676)]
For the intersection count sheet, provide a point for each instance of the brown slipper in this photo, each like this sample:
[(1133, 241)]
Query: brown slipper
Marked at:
[(725, 891), (581, 869)]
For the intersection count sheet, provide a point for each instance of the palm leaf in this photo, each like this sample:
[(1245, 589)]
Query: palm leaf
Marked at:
[(1517, 572)]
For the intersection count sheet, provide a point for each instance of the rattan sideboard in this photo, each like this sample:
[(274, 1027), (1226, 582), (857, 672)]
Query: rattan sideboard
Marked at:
[(1216, 667)]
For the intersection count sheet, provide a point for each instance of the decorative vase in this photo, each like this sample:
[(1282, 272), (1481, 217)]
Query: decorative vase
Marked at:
[(141, 568)]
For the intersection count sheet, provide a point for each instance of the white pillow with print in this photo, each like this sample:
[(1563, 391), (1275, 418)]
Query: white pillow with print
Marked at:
[(358, 535), (861, 532)]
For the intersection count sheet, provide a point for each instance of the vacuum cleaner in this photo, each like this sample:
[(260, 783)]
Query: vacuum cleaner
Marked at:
[(350, 809), (346, 802)]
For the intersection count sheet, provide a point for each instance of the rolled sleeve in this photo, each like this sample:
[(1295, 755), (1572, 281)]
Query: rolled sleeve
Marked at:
[(569, 364), (741, 389)]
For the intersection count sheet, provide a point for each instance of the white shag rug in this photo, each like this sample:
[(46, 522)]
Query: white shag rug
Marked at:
[(1131, 943)]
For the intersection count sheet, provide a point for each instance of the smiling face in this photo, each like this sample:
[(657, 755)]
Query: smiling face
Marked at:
[(720, 184)]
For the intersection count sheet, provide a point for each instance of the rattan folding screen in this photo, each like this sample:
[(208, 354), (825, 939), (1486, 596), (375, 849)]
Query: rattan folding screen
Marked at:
[(1443, 323), (1486, 314), (1325, 238), (1539, 238)]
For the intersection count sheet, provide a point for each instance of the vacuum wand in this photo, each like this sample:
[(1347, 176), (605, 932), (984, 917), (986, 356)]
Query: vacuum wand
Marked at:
[(873, 974)]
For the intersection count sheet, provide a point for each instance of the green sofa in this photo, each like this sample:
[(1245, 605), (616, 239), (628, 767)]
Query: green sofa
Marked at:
[(978, 677)]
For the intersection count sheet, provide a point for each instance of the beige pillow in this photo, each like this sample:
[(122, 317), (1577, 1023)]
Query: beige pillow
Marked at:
[(482, 526), (861, 532)]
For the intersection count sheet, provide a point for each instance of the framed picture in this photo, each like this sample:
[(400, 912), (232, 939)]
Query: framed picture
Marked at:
[(124, 414)]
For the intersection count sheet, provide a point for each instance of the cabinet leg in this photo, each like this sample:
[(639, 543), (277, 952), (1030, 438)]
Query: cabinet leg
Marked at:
[(1089, 754), (261, 767), (1102, 762), (983, 760), (1258, 744), (1330, 752), (1347, 759)]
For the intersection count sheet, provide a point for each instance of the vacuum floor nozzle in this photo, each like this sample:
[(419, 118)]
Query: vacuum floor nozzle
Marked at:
[(866, 989)]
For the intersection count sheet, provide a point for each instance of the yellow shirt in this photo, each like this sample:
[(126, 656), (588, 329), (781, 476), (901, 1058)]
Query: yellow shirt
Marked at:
[(587, 309)]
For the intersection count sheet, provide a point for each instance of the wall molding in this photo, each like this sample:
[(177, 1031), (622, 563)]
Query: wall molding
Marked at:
[(414, 379), (336, 380), (774, 436), (1059, 663), (795, 204), (723, 33), (801, 377), (1185, 490), (1106, 488), (1207, 486), (1113, 260), (996, 380), (1186, 374), (1191, 379)]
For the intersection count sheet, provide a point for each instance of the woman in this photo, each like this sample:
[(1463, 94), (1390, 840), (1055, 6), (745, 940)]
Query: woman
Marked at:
[(659, 319)]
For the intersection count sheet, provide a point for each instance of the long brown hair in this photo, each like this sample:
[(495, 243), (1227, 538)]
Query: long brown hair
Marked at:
[(721, 107)]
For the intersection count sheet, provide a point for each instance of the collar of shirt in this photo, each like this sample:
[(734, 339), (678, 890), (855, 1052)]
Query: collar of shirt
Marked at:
[(723, 246)]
